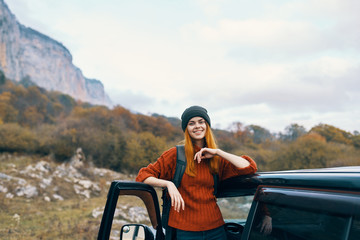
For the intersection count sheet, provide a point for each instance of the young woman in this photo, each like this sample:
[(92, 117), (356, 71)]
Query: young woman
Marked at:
[(194, 212)]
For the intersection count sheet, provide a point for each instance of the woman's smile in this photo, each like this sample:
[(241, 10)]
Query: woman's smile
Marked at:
[(197, 128)]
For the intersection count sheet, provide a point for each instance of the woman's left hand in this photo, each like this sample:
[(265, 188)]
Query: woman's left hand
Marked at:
[(266, 225), (205, 153)]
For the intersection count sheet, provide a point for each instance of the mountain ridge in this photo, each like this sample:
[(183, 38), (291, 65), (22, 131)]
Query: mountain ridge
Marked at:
[(28, 53)]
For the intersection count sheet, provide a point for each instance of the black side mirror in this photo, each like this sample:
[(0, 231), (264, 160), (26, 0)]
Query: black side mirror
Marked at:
[(136, 232), (233, 230)]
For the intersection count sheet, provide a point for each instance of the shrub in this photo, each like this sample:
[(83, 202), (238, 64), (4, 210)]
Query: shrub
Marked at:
[(14, 138)]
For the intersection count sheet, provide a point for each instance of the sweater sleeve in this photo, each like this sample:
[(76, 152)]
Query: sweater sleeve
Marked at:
[(228, 170), (163, 168)]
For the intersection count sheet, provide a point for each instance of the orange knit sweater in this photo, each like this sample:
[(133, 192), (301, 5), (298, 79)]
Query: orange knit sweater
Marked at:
[(201, 210)]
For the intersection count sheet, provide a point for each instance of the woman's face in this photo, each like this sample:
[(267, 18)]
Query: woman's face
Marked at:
[(197, 128)]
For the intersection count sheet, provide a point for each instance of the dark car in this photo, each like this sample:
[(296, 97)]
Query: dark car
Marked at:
[(301, 204)]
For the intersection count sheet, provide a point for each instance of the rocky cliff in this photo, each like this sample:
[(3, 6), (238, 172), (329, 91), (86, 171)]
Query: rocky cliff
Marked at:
[(25, 52)]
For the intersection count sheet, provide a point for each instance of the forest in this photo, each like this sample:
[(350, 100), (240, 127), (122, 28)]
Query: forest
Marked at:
[(49, 123)]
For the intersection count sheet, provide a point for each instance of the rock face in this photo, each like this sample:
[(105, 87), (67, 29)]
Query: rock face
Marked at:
[(45, 179), (26, 53)]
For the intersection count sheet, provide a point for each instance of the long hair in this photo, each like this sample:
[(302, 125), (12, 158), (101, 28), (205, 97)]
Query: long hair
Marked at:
[(190, 153)]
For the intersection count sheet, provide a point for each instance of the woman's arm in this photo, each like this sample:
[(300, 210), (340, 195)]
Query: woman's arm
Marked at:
[(176, 200), (237, 161)]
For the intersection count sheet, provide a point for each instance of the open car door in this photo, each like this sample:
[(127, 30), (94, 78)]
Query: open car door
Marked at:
[(147, 194)]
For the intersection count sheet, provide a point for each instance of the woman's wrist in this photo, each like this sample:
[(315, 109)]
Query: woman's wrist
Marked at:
[(168, 183), (218, 152)]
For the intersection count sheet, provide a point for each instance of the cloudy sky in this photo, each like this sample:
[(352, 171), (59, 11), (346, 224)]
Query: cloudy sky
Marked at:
[(269, 63)]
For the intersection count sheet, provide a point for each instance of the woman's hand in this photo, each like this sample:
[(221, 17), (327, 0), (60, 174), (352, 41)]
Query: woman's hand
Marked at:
[(205, 153), (266, 225), (176, 200)]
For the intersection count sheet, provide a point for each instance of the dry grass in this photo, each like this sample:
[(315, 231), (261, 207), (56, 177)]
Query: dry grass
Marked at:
[(35, 218), (69, 219)]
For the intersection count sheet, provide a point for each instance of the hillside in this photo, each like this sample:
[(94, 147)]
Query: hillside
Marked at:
[(36, 191), (36, 121)]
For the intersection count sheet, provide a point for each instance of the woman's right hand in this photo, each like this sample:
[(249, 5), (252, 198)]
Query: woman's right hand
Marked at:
[(176, 199)]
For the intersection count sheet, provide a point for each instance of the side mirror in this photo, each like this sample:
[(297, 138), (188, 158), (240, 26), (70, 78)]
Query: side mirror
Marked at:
[(136, 232)]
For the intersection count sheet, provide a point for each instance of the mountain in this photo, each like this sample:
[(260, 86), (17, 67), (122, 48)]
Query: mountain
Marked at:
[(28, 54)]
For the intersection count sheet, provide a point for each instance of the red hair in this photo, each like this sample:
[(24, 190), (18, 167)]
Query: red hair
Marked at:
[(190, 153)]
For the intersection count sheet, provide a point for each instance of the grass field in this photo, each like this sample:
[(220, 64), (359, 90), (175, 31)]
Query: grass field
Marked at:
[(36, 218), (30, 219)]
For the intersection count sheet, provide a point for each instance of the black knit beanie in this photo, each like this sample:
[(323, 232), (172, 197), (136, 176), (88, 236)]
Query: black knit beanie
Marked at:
[(193, 111)]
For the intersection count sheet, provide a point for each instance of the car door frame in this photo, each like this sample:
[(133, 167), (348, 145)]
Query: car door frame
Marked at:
[(129, 188)]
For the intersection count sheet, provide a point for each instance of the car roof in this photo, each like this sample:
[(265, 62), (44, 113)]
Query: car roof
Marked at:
[(347, 169), (337, 178)]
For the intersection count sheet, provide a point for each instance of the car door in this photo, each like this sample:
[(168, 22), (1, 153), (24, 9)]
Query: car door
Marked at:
[(148, 196), (304, 213)]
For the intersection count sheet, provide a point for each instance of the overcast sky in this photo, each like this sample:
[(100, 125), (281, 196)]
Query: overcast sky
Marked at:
[(269, 63)]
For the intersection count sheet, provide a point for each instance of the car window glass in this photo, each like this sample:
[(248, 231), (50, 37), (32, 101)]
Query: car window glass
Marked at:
[(355, 229), (129, 209), (235, 209), (291, 223)]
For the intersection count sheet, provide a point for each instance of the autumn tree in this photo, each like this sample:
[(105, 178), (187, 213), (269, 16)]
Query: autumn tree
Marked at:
[(332, 134), (7, 112), (225, 140), (356, 139), (103, 148), (65, 143), (95, 116), (241, 133), (65, 100), (165, 129), (308, 151), (292, 132), (142, 149), (125, 119), (259, 134), (31, 117), (14, 138), (46, 137)]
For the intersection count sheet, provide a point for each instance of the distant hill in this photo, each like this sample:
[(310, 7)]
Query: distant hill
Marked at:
[(28, 54)]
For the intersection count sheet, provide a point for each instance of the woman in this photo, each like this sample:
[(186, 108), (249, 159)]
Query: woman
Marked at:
[(194, 212)]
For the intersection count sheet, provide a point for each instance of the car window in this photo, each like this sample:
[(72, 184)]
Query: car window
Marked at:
[(235, 209), (129, 209), (298, 224)]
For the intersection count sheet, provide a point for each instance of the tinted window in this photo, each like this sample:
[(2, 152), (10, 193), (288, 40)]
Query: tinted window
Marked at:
[(297, 223)]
